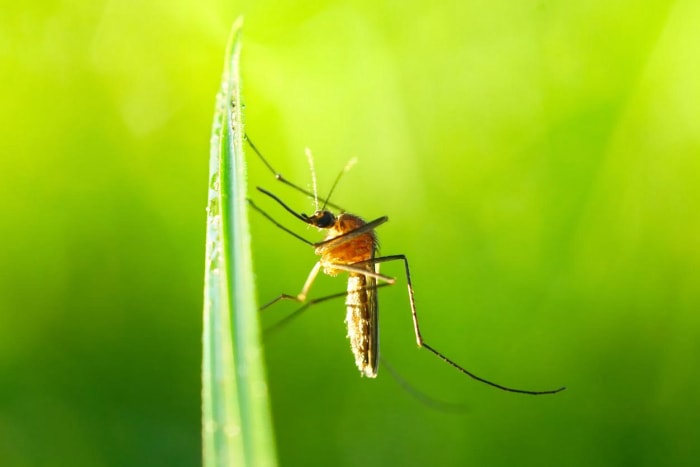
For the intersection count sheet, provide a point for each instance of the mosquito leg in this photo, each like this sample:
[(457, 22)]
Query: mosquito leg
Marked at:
[(299, 311), (296, 313), (419, 339), (420, 396), (301, 296), (309, 282), (348, 236), (271, 219), (284, 296), (365, 272)]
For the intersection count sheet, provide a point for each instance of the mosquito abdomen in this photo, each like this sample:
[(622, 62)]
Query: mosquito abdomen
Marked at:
[(362, 322)]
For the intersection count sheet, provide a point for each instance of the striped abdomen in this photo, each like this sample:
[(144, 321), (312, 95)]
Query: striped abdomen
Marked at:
[(362, 322)]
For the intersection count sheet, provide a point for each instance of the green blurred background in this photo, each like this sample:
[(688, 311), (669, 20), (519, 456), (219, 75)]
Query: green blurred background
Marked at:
[(540, 165)]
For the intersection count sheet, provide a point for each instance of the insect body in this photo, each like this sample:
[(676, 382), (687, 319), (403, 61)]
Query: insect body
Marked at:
[(361, 302), (350, 246)]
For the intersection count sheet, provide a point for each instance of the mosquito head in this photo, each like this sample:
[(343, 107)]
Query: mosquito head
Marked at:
[(321, 219)]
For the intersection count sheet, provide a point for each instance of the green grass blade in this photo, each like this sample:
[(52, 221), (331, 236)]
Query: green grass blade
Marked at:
[(236, 423)]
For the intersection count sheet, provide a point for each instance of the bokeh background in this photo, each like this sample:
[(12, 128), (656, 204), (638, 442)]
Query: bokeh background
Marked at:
[(540, 165)]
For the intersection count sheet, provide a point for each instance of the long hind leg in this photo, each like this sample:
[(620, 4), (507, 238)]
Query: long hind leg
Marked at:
[(357, 268)]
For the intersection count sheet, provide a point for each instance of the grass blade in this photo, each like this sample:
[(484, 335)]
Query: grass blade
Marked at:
[(236, 424)]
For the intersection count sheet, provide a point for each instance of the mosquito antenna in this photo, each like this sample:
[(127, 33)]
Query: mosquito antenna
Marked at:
[(347, 167), (310, 158), (282, 179)]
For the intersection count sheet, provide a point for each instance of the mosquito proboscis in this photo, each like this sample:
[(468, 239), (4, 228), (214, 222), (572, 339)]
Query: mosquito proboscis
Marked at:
[(350, 246)]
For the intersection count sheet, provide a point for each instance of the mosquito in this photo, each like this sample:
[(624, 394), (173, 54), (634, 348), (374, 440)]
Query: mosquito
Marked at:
[(350, 246)]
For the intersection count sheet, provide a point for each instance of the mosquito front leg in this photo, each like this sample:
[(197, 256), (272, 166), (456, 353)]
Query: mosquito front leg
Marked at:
[(309, 281), (301, 296)]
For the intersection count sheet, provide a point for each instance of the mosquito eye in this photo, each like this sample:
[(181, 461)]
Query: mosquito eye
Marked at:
[(325, 220)]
